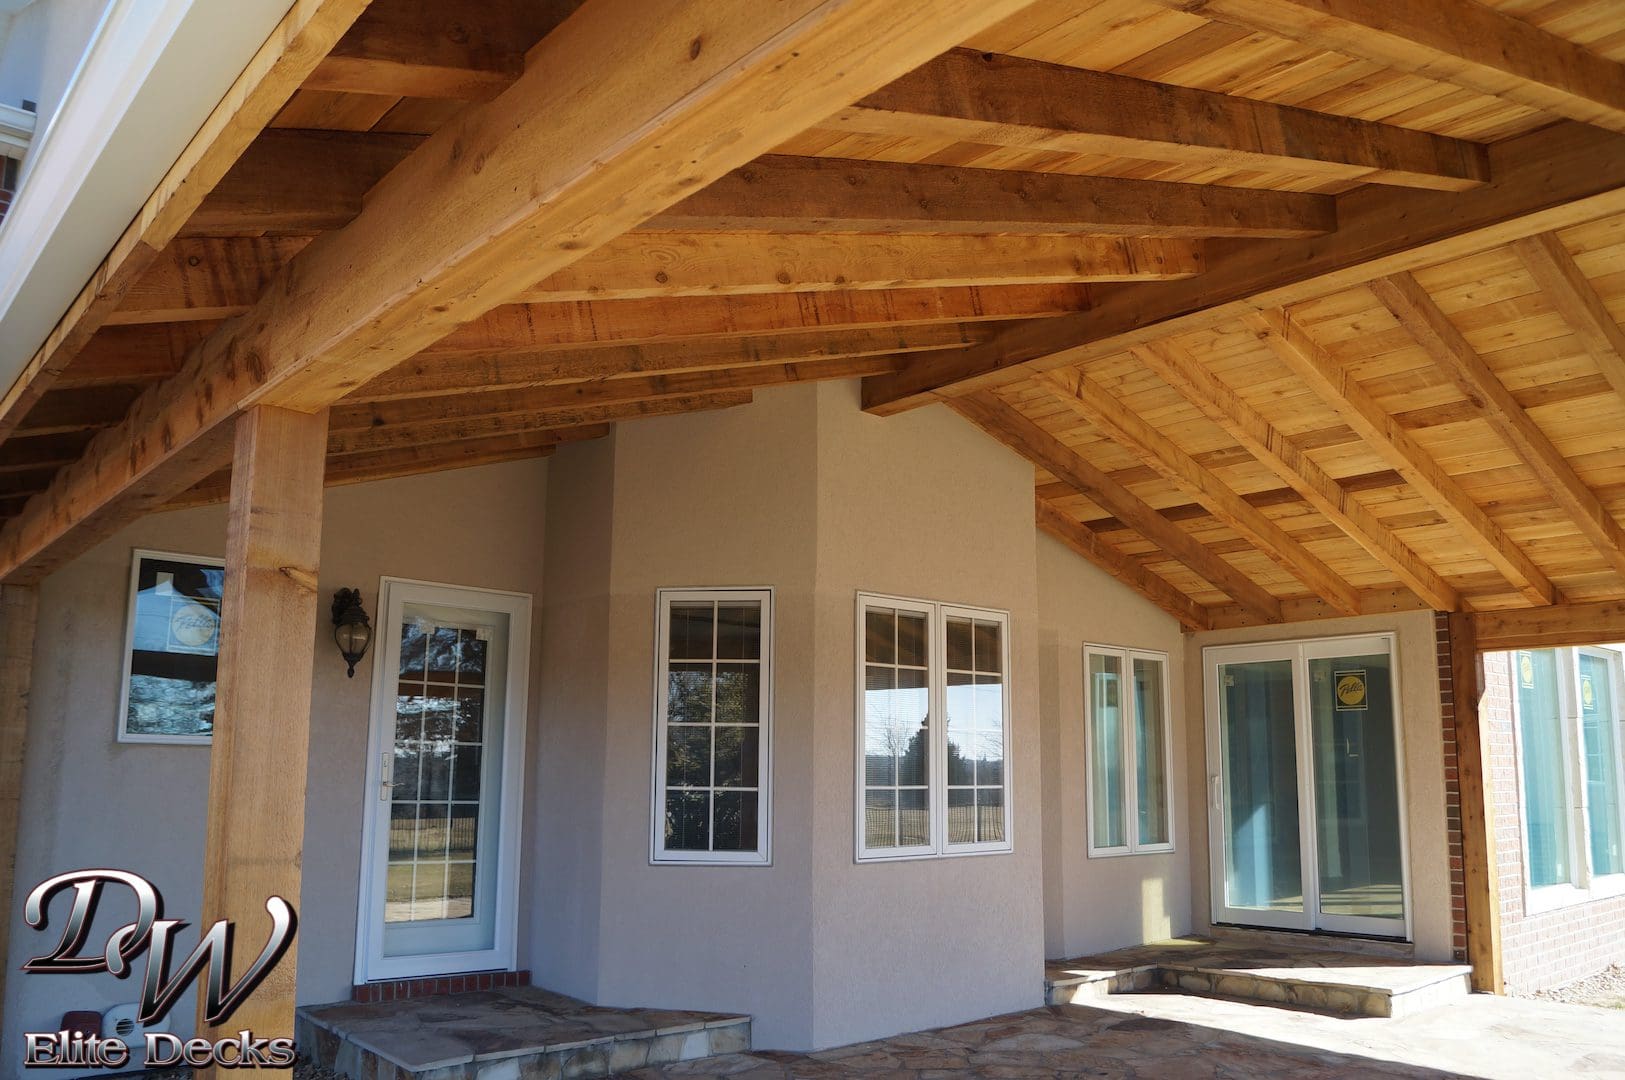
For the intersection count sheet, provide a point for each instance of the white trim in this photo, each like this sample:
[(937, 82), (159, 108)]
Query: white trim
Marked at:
[(763, 854), (937, 614), (124, 735), (1298, 652), (16, 130), (393, 593), (1126, 722)]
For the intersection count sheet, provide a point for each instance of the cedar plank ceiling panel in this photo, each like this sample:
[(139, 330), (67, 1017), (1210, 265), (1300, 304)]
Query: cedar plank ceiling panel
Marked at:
[(756, 284)]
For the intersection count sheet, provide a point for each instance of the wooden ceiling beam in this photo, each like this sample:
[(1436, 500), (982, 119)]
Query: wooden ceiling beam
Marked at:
[(504, 402), (1567, 287), (1222, 405), (355, 441), (783, 194), (1112, 417), (1464, 43), (67, 411), (989, 99), (134, 355), (1331, 382), (1551, 627), (1125, 568), (427, 374), (294, 48), (218, 277), (1420, 316), (1549, 179), (665, 97), (1032, 442)]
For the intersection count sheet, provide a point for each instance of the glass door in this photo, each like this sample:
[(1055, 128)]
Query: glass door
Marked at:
[(1305, 813), (437, 895)]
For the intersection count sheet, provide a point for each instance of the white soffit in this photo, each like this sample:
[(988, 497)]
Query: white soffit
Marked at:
[(154, 71)]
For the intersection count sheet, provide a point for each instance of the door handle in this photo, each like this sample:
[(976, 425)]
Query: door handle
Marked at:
[(386, 784), (1215, 791)]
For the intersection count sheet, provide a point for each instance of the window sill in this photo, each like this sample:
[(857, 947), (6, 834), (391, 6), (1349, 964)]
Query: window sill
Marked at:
[(1118, 853), (921, 856)]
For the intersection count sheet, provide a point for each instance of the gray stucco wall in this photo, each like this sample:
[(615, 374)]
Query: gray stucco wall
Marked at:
[(90, 801), (1097, 904)]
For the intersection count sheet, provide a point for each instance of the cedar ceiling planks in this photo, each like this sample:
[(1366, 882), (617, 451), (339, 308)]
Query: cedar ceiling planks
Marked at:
[(987, 195)]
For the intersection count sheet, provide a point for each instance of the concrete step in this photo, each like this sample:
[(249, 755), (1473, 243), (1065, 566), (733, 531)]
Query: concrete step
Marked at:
[(510, 1034), (1351, 984)]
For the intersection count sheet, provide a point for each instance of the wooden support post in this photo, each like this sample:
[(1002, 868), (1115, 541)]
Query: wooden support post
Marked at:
[(19, 605), (1477, 810), (256, 822)]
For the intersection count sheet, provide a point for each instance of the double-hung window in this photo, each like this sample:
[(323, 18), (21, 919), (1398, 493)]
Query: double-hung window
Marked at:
[(713, 726), (933, 729), (1567, 707), (1127, 750)]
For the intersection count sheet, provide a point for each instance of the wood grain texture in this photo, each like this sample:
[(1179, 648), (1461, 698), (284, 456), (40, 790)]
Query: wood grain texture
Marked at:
[(19, 614), (1480, 871)]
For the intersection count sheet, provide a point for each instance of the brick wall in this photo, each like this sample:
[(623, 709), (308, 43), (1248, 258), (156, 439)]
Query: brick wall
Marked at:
[(1452, 787), (1551, 947)]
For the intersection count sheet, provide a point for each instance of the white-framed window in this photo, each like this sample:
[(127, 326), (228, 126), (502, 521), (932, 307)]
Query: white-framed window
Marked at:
[(1127, 751), (172, 637), (1568, 706), (928, 787), (713, 726)]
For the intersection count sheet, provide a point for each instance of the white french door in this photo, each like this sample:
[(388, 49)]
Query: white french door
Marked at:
[(440, 848), (1305, 810)]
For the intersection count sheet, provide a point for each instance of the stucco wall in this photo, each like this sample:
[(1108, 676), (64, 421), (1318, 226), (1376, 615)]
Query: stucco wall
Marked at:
[(1423, 779), (1096, 904), (89, 800)]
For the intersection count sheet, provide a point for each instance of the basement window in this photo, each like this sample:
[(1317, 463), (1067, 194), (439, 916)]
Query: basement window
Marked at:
[(713, 726), (929, 787), (1126, 750), (1567, 708)]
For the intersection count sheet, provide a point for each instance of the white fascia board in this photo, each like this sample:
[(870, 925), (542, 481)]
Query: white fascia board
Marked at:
[(154, 71)]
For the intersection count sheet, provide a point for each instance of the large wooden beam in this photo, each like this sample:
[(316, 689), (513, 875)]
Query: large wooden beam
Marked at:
[(256, 813), (198, 278), (778, 193), (1548, 179), (1331, 382), (1480, 876), (989, 99), (1466, 43), (1032, 442), (1114, 419), (1062, 526), (428, 374), (665, 97), (1576, 299), (299, 42), (1550, 627), (1418, 314), (1179, 369), (19, 612)]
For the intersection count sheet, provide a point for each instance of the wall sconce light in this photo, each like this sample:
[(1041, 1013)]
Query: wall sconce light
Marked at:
[(352, 631)]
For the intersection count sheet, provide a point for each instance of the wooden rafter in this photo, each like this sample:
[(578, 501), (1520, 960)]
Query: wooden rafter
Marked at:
[(1331, 382), (1463, 42), (1549, 179), (1547, 628), (778, 193), (300, 40), (994, 100), (1128, 570), (1563, 282), (1420, 315), (1114, 419), (217, 277), (1029, 440), (1179, 369)]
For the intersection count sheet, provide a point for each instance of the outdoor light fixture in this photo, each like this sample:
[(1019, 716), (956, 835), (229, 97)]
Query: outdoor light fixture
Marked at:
[(352, 631)]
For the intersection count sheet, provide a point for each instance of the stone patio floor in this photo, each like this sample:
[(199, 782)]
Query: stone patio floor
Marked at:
[(1172, 1036)]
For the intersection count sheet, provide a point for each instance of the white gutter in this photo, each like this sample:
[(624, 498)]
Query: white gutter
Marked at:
[(154, 71)]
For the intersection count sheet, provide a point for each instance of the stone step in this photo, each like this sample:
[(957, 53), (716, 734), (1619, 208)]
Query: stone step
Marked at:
[(518, 1033), (1350, 984)]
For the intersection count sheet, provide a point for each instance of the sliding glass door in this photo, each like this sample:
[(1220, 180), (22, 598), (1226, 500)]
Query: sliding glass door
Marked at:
[(1305, 812)]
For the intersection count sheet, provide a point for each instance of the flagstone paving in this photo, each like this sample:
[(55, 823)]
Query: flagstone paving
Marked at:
[(1173, 1036)]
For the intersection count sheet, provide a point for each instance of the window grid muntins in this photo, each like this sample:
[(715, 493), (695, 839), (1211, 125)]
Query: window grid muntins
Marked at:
[(974, 660), (436, 773), (897, 735), (713, 741)]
